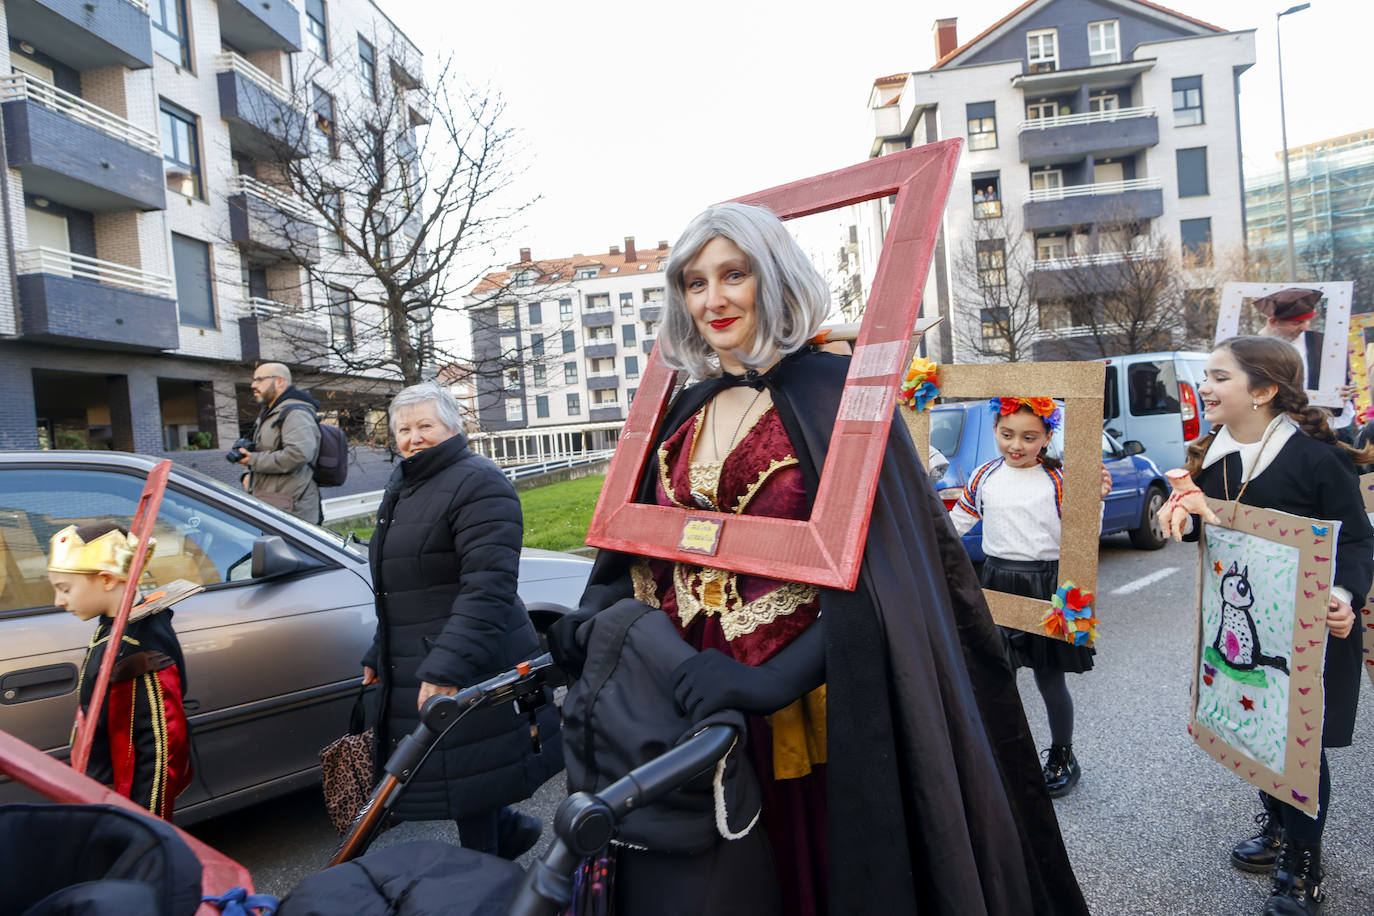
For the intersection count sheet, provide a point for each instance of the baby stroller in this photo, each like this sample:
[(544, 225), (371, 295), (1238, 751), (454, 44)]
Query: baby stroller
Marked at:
[(406, 880)]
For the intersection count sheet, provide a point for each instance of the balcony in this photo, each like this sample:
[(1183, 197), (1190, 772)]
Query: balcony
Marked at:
[(86, 302), (85, 35), (1119, 132), (1108, 201), (268, 333), (650, 312), (599, 319), (260, 25), (606, 381), (77, 153), (1055, 278), (604, 413), (599, 350), (1063, 82), (270, 225), (263, 119)]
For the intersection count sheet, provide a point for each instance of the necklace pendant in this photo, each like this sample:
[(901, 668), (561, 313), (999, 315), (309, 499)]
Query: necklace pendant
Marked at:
[(703, 501)]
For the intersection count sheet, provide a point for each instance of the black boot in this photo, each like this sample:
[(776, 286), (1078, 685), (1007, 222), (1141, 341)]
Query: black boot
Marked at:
[(1061, 769), (518, 834), (1259, 853), (1297, 882)]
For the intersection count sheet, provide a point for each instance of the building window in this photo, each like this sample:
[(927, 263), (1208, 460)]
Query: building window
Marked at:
[(627, 303), (169, 30), (569, 342), (1104, 45), (630, 395), (1047, 180), (506, 318), (1196, 236), (1187, 100), (1042, 50), (340, 319), (565, 310), (538, 375), (1192, 171), (599, 302), (992, 263), (627, 334), (367, 66), (587, 273), (536, 345), (987, 200), (316, 29), (1051, 248), (323, 132), (653, 296), (331, 202), (1038, 111), (180, 150), (1107, 101), (536, 313), (570, 373), (993, 324), (982, 125), (574, 405), (511, 377), (195, 295), (541, 406), (515, 410), (632, 367), (650, 328)]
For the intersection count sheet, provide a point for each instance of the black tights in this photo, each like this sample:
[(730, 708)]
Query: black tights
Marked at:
[(1058, 704), (1300, 827)]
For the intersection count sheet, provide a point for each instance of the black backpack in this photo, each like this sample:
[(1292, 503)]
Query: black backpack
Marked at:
[(331, 465)]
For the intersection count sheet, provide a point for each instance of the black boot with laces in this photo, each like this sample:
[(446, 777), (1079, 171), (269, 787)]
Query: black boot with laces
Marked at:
[(1297, 882), (1061, 769), (1259, 853)]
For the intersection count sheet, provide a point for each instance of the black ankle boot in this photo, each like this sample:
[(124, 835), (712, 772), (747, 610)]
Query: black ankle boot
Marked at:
[(1297, 881), (1061, 769), (1259, 853)]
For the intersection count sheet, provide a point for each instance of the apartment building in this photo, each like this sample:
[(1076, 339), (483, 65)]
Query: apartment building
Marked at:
[(561, 345), (1095, 130), (154, 248)]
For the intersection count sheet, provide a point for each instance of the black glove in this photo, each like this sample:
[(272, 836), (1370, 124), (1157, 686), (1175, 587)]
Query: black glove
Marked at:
[(711, 681), (568, 652)]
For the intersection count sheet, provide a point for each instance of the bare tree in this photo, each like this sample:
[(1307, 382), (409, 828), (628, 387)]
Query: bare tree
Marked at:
[(993, 283)]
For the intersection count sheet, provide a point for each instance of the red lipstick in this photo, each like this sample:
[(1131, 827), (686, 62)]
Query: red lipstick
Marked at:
[(722, 323)]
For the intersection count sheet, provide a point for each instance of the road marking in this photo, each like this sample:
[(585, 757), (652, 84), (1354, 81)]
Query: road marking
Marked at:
[(1144, 581)]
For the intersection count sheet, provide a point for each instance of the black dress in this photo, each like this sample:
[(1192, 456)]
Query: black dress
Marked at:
[(1034, 579)]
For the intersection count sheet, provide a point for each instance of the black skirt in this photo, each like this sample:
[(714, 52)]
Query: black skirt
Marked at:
[(1034, 579)]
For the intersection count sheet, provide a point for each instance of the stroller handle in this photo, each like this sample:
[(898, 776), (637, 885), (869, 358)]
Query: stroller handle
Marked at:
[(585, 823)]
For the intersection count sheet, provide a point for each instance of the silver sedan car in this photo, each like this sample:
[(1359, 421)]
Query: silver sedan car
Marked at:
[(273, 645)]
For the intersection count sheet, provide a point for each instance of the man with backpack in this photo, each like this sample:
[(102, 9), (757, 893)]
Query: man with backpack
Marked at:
[(281, 468)]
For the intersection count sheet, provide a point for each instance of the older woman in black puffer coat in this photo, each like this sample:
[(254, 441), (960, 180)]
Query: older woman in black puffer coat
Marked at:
[(445, 560)]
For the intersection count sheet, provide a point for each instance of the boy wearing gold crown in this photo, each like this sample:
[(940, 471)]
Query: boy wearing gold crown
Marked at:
[(141, 744)]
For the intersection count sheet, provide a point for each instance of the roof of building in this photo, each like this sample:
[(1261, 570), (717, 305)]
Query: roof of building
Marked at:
[(558, 270), (1029, 3)]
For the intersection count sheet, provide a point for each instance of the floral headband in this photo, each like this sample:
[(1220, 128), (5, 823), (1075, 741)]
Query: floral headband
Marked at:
[(1044, 408)]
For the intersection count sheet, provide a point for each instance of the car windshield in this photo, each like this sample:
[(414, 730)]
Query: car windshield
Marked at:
[(945, 427), (234, 494)]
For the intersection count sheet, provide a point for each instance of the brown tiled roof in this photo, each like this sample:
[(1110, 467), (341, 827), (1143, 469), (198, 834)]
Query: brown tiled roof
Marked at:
[(889, 80), (566, 268)]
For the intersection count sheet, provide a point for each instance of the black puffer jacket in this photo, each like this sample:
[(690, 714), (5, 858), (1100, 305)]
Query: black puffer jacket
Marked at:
[(445, 561)]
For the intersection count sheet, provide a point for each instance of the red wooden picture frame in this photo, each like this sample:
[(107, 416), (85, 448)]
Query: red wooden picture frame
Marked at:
[(826, 549)]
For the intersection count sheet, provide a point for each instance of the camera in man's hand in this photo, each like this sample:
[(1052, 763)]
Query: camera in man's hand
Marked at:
[(233, 456)]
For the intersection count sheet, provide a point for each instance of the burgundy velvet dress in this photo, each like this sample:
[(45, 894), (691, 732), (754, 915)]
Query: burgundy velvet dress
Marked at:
[(751, 618)]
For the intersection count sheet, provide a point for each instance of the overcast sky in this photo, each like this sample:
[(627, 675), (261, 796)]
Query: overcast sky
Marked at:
[(636, 116)]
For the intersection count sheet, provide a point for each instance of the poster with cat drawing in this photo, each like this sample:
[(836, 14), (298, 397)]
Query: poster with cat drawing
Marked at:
[(1261, 637), (1366, 618)]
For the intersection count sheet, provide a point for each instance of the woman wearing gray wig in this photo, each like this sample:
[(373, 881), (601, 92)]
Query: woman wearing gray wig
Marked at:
[(922, 792)]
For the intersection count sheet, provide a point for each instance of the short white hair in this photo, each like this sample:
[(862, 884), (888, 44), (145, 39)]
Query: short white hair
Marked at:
[(446, 408), (790, 302)]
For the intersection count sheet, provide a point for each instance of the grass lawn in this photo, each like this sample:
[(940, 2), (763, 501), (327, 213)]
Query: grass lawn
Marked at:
[(557, 516)]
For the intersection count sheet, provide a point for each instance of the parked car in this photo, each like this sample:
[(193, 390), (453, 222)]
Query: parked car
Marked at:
[(1152, 398), (273, 645), (963, 434)]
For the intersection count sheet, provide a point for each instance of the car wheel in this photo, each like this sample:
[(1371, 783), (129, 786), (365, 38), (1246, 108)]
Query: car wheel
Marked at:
[(1150, 535)]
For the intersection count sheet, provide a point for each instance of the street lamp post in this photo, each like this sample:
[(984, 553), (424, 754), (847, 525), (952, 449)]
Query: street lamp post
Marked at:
[(1283, 129)]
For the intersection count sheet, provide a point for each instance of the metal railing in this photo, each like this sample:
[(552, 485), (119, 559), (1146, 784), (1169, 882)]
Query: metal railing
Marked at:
[(1088, 117), (141, 4), (61, 263), (1090, 260), (258, 307), (230, 61), (21, 86), (1094, 190), (287, 203)]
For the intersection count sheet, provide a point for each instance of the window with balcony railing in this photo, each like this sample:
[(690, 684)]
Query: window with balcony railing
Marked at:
[(987, 199), (597, 303)]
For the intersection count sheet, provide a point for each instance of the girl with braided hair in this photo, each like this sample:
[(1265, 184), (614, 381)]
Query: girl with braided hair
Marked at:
[(1270, 448)]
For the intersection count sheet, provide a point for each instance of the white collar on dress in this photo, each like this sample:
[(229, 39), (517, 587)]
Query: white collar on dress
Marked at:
[(1278, 432)]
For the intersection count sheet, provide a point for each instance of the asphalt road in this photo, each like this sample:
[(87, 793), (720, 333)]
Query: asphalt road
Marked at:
[(1149, 828)]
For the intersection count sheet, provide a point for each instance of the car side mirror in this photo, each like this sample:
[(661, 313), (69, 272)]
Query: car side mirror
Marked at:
[(272, 558), (1132, 447)]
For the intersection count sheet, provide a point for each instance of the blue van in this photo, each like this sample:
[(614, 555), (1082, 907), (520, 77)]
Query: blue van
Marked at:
[(1153, 398)]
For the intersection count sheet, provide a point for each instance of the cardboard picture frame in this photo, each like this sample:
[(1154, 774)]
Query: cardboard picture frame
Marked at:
[(1079, 386), (826, 549), (1314, 540), (1359, 362), (1338, 295), (1366, 615)]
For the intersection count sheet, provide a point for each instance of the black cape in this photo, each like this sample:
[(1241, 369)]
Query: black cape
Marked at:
[(936, 799)]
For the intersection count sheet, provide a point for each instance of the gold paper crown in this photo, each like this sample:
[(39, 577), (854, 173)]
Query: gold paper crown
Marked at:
[(112, 552)]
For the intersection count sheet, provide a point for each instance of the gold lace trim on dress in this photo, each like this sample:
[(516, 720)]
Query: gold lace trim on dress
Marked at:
[(715, 592)]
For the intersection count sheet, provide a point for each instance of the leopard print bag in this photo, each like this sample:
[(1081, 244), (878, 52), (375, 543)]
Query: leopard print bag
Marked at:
[(346, 771)]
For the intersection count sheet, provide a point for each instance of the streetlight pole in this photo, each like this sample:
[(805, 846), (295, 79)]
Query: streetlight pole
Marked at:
[(1283, 129)]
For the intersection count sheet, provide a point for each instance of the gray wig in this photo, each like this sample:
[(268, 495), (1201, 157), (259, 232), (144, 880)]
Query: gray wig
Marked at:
[(445, 406), (790, 303)]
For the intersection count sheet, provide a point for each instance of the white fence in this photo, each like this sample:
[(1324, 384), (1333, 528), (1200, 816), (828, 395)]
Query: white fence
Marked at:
[(1088, 117), (44, 260), (17, 86), (1094, 190)]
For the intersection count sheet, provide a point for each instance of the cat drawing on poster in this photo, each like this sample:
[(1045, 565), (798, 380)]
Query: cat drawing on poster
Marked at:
[(1248, 611)]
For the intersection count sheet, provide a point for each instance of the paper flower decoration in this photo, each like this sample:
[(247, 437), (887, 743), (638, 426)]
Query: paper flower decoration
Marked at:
[(1044, 408), (1070, 616), (921, 385)]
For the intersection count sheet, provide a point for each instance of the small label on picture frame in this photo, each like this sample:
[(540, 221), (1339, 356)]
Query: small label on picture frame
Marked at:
[(701, 535)]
